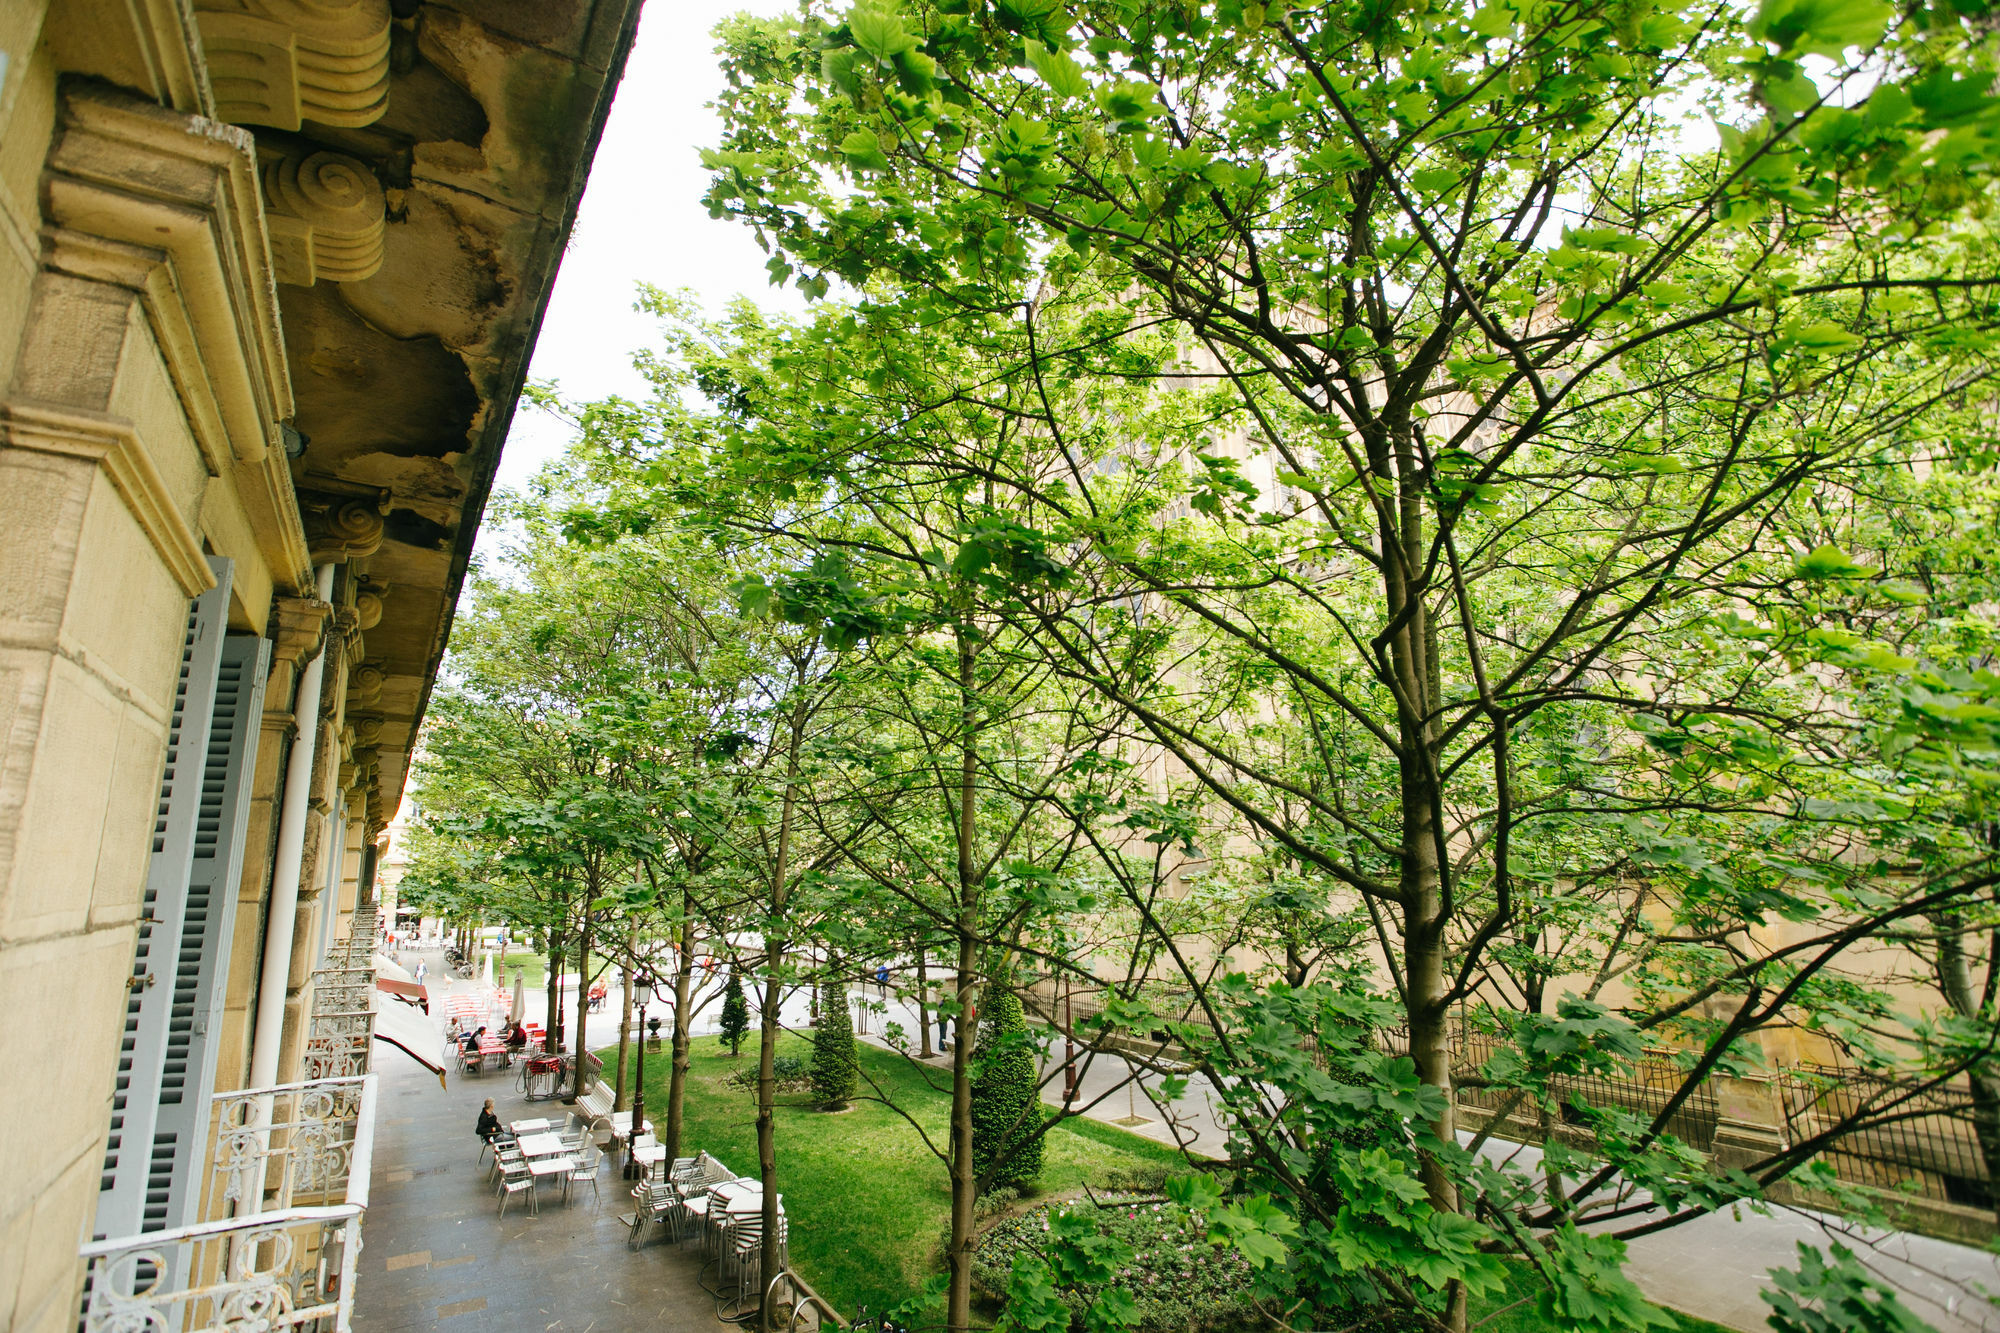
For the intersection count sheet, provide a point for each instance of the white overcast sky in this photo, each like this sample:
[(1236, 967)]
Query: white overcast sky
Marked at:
[(642, 220)]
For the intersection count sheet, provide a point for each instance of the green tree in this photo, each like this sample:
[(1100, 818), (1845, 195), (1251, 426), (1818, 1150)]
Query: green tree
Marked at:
[(1521, 420), (1006, 1094), (735, 1019), (834, 1073)]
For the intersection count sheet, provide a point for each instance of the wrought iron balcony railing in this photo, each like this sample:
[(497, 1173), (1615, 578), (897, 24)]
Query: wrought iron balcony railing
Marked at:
[(291, 1164), (294, 1161)]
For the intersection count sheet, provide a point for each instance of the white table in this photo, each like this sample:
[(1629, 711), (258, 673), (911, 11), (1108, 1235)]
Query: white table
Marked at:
[(541, 1145), (543, 1167), (529, 1126)]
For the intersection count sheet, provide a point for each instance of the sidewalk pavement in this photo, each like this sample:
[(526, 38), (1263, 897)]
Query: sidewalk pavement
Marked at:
[(438, 1256)]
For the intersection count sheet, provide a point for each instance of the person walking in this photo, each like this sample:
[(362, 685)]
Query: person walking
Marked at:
[(882, 980), (423, 970)]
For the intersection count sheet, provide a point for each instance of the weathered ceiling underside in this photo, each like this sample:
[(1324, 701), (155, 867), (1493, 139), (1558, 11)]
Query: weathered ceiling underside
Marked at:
[(422, 164)]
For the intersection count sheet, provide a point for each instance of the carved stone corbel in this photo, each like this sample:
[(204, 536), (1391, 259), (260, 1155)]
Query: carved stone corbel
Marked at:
[(297, 626), (364, 687), (284, 62), (367, 730), (368, 604), (326, 216), (339, 529)]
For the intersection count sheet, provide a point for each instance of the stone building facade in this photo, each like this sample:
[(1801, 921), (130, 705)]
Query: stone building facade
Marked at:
[(270, 272)]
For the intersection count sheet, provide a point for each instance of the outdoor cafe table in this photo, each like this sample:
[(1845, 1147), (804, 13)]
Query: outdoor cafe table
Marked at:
[(542, 1167), (521, 1127), (540, 1145)]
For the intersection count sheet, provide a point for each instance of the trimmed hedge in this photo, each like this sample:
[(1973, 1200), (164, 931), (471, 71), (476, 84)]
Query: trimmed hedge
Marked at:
[(1006, 1101), (834, 1075)]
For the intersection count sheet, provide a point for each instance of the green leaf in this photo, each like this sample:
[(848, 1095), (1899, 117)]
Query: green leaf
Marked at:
[(1820, 27), (1058, 70), (1817, 339), (1827, 562), (878, 30), (864, 151)]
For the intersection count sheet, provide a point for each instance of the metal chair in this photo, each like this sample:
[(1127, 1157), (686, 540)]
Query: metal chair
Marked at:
[(650, 1204), (586, 1170), (521, 1184), (507, 1160)]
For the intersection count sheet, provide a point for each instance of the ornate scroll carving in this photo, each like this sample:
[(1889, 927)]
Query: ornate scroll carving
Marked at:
[(341, 530), (325, 212), (284, 62), (364, 690)]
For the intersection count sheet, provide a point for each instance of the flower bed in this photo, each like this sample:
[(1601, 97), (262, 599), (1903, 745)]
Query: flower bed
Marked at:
[(1178, 1278)]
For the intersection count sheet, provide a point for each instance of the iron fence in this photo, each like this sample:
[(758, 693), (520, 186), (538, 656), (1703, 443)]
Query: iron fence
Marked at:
[(1922, 1143)]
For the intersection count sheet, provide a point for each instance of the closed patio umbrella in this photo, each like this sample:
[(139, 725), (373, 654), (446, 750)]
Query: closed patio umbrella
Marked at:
[(405, 1027), (390, 968), (519, 1009)]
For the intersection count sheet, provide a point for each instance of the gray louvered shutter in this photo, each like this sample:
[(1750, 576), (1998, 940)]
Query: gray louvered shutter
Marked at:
[(201, 973), (123, 1205)]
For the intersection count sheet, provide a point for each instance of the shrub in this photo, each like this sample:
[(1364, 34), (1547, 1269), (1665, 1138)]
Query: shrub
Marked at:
[(1177, 1278), (792, 1073), (1006, 1101), (735, 1013), (834, 1075)]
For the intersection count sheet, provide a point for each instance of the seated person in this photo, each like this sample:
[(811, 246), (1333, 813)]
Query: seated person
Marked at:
[(517, 1037), (453, 1033), (489, 1123), (469, 1042)]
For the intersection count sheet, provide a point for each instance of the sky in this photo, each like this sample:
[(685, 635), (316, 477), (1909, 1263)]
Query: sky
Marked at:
[(642, 220)]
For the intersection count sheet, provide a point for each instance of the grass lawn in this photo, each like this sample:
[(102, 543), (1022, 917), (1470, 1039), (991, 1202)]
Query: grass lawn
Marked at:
[(869, 1204), (534, 970)]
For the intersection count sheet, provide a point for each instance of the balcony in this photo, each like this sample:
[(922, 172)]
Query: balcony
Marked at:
[(288, 1166), (293, 1161)]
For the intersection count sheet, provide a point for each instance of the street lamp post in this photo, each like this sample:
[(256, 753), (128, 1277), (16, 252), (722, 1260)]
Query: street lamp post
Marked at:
[(645, 983)]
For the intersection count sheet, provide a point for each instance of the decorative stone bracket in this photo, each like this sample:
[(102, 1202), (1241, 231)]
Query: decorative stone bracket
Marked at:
[(325, 212), (338, 530), (284, 62)]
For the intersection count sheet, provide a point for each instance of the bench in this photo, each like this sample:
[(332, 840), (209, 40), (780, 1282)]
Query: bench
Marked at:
[(595, 1108)]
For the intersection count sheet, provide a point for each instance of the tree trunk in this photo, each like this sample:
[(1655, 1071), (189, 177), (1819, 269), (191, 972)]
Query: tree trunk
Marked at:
[(683, 1031), (582, 1009), (625, 1015), (553, 981), (1955, 980), (964, 1176), (923, 1011), (771, 1252)]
